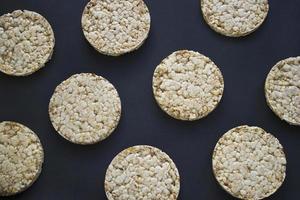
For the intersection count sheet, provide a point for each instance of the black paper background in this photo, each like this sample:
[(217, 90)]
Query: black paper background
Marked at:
[(77, 172)]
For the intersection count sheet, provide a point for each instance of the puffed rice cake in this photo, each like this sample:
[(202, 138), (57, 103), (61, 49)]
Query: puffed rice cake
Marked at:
[(282, 90), (21, 158), (234, 18), (26, 42), (187, 85), (249, 163), (116, 27), (85, 108), (142, 172)]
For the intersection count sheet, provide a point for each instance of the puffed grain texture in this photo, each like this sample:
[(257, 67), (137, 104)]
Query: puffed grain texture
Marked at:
[(21, 158), (26, 42), (85, 108), (249, 163), (282, 90), (187, 85), (142, 172), (116, 27), (234, 18)]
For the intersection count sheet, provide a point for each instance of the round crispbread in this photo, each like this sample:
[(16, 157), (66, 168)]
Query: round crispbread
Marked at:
[(282, 90), (234, 18), (249, 163), (26, 42), (85, 108), (116, 27), (21, 158), (187, 85), (142, 172)]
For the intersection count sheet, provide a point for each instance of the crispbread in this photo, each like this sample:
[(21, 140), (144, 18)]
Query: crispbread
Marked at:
[(282, 90), (116, 27), (187, 85), (21, 158), (85, 108), (26, 42), (234, 18), (249, 163), (142, 172)]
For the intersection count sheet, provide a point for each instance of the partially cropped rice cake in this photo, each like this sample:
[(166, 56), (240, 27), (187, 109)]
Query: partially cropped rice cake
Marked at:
[(142, 172), (282, 90), (116, 27), (26, 42), (234, 18), (187, 85), (249, 163), (85, 108), (21, 158)]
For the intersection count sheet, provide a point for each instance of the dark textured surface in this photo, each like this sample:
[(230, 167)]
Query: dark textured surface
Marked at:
[(77, 172)]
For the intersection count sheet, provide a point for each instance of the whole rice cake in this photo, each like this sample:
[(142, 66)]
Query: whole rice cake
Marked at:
[(85, 108), (249, 163), (234, 18), (187, 85), (21, 158), (26, 42), (282, 90), (142, 172), (116, 27)]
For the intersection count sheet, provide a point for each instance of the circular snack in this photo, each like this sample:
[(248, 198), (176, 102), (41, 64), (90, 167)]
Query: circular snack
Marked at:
[(282, 90), (187, 85), (21, 158), (116, 27), (26, 42), (234, 18), (142, 172), (85, 108), (249, 163)]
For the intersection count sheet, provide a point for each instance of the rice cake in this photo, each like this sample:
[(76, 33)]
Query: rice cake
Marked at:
[(282, 90), (21, 158), (85, 108), (187, 85), (142, 172), (116, 27), (249, 163), (26, 42), (234, 18)]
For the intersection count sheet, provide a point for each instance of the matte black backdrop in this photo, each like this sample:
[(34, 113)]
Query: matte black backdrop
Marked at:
[(77, 172)]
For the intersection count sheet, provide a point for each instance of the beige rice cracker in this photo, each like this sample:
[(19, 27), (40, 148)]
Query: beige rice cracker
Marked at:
[(234, 18), (282, 90), (21, 158), (26, 42), (85, 108), (249, 163), (116, 27), (187, 85), (142, 172)]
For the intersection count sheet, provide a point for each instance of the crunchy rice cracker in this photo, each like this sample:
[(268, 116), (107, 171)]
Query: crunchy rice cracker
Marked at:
[(249, 163), (142, 172), (187, 85), (21, 158), (85, 108), (116, 27), (26, 42)]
